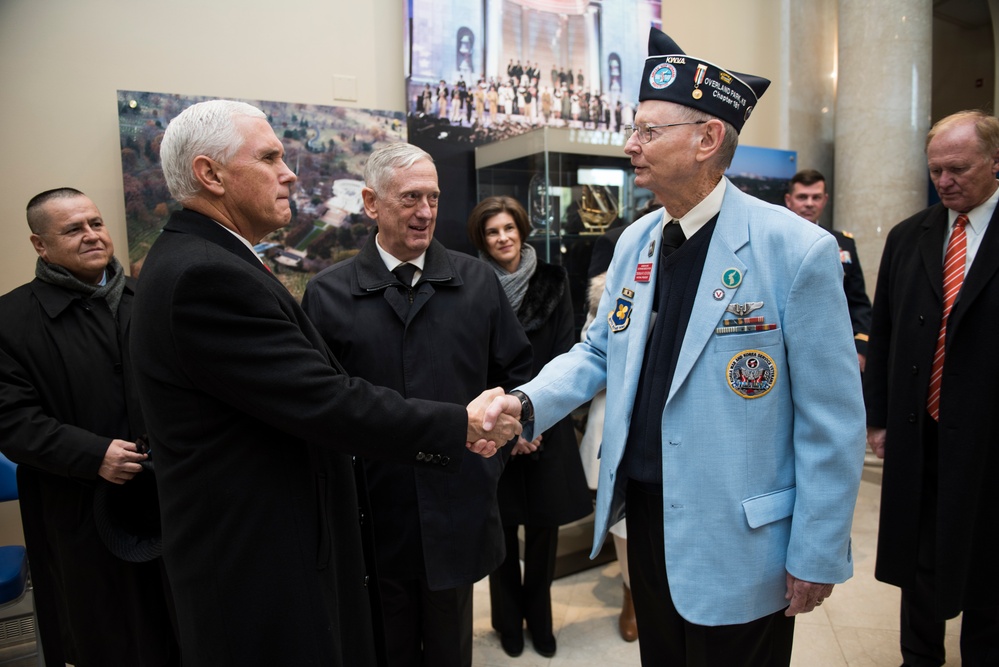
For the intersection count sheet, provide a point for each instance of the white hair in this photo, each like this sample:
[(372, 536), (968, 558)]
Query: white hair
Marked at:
[(207, 128), (385, 160)]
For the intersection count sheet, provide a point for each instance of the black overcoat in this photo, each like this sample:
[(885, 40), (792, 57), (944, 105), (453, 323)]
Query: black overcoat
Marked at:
[(547, 487), (65, 394), (254, 428), (906, 320), (459, 337)]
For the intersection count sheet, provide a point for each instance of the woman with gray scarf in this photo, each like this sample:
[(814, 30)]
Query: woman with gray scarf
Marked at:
[(543, 486)]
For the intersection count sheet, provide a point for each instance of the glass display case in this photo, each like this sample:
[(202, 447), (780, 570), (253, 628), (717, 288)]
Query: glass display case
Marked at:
[(574, 184)]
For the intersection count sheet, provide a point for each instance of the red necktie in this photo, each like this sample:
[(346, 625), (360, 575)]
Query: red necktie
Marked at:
[(953, 277)]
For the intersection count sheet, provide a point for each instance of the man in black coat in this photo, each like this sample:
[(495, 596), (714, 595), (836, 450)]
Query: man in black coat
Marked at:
[(931, 395), (807, 196), (254, 421), (409, 314), (70, 418)]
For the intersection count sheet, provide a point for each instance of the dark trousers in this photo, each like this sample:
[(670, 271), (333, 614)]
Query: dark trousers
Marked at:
[(425, 628), (514, 600), (921, 633), (664, 637)]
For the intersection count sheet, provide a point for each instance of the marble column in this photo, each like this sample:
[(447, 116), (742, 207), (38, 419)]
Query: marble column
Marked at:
[(994, 10), (882, 116), (808, 72)]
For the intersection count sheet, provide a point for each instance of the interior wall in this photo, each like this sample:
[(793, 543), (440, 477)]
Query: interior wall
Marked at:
[(994, 12), (810, 85), (964, 68), (61, 62), (739, 35)]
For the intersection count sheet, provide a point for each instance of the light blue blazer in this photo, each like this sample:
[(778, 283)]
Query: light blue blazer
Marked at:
[(751, 486)]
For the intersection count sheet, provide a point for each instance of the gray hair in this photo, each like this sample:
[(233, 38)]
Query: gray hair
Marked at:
[(384, 161), (986, 129), (207, 128), (731, 141)]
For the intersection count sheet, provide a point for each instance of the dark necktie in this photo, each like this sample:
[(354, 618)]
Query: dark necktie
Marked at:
[(404, 273), (953, 278), (673, 237)]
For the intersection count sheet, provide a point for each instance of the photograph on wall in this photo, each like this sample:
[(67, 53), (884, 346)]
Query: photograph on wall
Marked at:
[(325, 146), (484, 71), (763, 172)]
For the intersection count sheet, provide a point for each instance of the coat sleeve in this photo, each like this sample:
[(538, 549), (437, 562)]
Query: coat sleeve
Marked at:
[(828, 418), (30, 436), (238, 341), (878, 347), (571, 379)]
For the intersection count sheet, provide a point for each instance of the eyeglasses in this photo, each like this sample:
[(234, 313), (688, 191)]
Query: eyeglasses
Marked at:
[(645, 131)]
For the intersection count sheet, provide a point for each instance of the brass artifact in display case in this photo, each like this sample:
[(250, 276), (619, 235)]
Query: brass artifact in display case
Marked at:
[(597, 208)]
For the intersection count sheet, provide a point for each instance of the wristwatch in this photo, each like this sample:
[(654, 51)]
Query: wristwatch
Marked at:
[(526, 407)]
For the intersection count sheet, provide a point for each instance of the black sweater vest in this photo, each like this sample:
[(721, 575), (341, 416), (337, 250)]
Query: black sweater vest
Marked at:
[(676, 287)]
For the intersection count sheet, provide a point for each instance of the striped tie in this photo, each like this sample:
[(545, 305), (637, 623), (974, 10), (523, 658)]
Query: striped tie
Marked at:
[(953, 277)]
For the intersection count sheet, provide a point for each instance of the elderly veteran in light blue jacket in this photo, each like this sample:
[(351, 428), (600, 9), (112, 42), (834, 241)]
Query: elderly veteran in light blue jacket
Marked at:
[(734, 432)]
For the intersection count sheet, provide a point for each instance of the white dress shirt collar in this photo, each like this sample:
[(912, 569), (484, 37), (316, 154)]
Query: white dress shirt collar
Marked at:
[(706, 209), (391, 261)]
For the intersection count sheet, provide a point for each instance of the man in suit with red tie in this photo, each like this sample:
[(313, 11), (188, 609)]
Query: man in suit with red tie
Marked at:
[(931, 397)]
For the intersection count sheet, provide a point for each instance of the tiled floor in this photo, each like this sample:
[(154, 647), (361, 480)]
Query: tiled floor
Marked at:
[(856, 627)]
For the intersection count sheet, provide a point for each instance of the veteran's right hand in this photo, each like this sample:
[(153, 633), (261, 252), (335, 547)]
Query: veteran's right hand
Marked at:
[(485, 437), (121, 462), (502, 405), (876, 440)]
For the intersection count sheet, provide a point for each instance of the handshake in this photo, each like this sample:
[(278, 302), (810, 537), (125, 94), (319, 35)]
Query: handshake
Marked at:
[(493, 420)]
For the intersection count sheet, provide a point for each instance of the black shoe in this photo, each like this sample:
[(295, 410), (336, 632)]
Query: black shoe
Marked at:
[(544, 645), (513, 645)]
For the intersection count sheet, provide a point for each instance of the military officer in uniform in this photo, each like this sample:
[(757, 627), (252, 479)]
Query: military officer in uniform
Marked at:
[(807, 196)]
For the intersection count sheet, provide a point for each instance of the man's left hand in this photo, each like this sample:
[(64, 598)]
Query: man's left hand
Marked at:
[(526, 446), (804, 595)]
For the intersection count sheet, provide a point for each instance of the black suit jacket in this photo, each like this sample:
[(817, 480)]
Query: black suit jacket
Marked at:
[(906, 320), (253, 426)]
